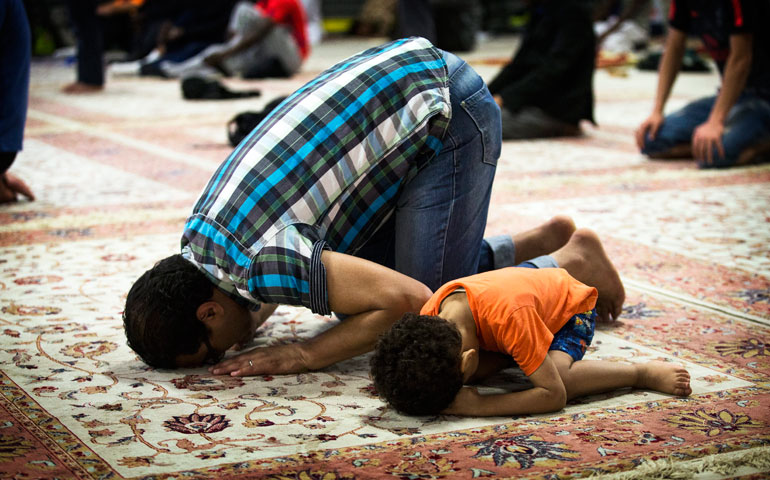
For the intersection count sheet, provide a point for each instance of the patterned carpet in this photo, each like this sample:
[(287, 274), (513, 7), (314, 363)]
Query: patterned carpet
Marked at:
[(116, 174)]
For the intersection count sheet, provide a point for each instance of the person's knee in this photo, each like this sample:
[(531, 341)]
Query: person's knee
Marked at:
[(666, 148), (654, 148)]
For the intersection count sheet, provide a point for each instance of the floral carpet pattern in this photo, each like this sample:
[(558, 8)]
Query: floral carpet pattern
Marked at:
[(116, 174)]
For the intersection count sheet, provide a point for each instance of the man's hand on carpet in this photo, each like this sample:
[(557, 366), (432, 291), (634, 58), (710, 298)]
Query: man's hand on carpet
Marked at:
[(274, 360), (706, 138), (649, 127)]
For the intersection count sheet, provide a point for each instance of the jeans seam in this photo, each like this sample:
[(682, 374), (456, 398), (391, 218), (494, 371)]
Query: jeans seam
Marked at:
[(448, 219)]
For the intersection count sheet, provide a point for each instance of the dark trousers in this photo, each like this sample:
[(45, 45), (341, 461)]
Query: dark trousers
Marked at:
[(88, 29), (415, 19), (6, 160)]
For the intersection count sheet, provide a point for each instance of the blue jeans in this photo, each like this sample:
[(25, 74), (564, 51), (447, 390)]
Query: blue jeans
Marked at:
[(747, 125), (436, 232)]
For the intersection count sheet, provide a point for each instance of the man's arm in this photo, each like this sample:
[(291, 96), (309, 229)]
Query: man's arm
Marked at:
[(547, 395), (669, 69), (709, 134), (374, 296)]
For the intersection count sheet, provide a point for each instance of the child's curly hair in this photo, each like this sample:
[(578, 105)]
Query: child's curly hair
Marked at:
[(416, 364)]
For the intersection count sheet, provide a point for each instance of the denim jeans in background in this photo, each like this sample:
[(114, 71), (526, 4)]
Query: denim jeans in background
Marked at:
[(747, 124), (436, 232)]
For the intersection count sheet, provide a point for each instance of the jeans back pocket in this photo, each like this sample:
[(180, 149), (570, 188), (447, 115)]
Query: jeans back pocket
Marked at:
[(485, 113)]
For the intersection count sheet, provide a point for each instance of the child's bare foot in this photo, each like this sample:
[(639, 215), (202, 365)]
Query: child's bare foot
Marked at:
[(585, 259), (543, 239), (11, 186), (79, 87), (664, 377)]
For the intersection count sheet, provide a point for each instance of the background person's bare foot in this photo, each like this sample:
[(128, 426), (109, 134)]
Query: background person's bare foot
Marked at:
[(664, 377), (78, 87), (11, 186), (543, 239), (585, 259)]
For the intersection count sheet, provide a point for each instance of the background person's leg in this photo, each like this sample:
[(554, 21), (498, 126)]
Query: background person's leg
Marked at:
[(277, 56), (15, 52), (532, 122), (415, 18), (6, 160), (194, 66), (90, 42), (11, 185), (674, 138), (747, 126)]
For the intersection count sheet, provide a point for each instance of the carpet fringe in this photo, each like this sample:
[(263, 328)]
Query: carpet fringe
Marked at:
[(669, 468)]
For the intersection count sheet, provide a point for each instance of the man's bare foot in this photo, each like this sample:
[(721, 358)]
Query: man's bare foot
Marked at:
[(585, 259), (11, 186), (543, 239), (759, 153), (78, 88), (664, 377)]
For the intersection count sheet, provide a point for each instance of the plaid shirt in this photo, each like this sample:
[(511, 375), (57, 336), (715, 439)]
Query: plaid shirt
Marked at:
[(323, 171)]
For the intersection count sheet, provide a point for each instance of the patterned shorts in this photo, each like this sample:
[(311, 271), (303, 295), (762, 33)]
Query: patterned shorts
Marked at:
[(576, 335)]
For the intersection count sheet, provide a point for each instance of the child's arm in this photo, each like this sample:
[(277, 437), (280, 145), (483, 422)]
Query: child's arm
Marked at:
[(547, 395)]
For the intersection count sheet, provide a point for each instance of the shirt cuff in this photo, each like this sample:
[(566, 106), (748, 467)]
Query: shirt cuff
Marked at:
[(545, 261), (503, 251), (319, 295)]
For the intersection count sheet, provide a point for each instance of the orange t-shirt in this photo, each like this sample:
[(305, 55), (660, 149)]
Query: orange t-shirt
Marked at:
[(517, 310)]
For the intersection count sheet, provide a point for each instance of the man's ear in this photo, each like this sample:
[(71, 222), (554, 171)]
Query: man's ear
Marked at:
[(209, 312), (469, 363)]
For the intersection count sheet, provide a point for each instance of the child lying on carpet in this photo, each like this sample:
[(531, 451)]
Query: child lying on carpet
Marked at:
[(542, 319)]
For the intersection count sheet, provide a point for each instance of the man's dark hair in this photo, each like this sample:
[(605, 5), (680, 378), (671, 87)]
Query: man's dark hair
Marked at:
[(159, 317), (416, 364)]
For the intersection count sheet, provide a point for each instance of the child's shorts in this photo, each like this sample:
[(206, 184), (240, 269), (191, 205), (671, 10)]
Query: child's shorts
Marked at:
[(576, 335)]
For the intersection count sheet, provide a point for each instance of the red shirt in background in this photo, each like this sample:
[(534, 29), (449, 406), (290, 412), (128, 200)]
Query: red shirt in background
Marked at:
[(291, 14)]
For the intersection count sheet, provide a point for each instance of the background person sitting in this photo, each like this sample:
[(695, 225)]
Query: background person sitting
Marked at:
[(733, 126), (546, 89), (267, 39), (174, 31)]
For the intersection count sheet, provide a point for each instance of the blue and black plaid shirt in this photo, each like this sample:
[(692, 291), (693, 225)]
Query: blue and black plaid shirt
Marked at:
[(322, 171)]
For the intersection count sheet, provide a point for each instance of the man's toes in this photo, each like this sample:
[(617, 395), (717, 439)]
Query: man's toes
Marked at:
[(617, 311), (602, 313)]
